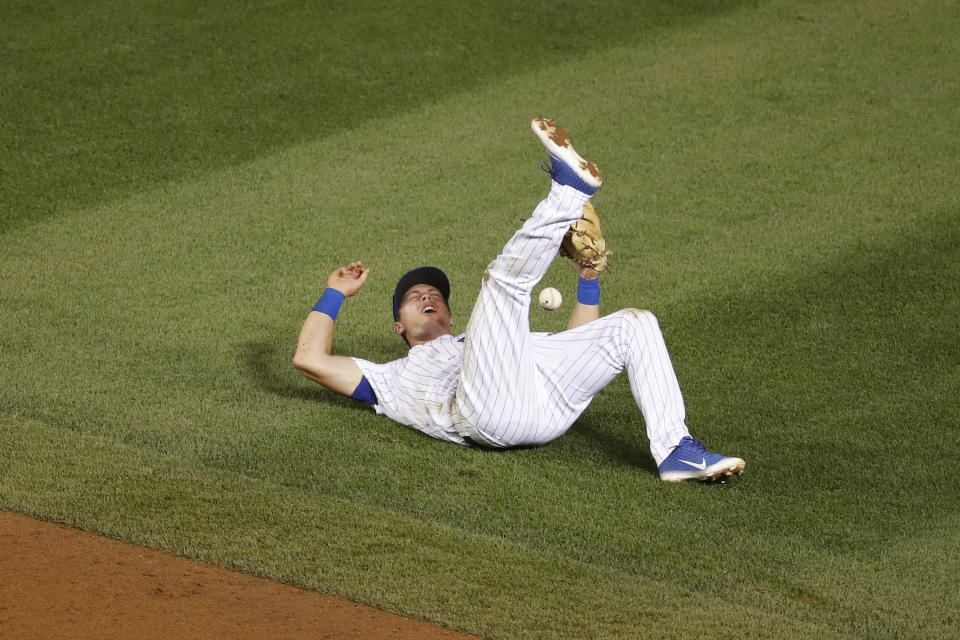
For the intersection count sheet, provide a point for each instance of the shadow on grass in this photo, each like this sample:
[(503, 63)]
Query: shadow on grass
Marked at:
[(262, 360), (624, 449)]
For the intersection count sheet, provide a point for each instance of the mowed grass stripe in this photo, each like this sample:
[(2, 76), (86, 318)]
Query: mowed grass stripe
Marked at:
[(102, 101), (234, 521), (179, 307)]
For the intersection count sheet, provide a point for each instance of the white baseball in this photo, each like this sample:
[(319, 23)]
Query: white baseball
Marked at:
[(550, 298)]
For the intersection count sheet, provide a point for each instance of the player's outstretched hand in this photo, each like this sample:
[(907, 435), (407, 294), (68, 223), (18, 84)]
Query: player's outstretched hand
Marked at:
[(585, 272), (348, 280)]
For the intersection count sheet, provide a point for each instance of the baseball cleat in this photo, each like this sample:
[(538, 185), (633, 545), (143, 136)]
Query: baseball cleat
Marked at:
[(690, 460), (566, 165)]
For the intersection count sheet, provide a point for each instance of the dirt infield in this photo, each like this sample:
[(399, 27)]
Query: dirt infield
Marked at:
[(57, 582)]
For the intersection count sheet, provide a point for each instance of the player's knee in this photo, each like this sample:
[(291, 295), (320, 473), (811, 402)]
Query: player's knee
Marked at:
[(640, 317)]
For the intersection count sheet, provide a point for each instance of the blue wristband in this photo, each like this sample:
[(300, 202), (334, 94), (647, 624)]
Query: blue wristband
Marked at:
[(588, 291), (329, 303)]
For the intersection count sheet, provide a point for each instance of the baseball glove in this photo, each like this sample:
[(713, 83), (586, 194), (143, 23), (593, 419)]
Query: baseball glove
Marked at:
[(584, 243)]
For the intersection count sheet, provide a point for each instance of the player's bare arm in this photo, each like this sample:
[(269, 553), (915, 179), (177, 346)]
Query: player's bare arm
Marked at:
[(313, 356), (584, 313)]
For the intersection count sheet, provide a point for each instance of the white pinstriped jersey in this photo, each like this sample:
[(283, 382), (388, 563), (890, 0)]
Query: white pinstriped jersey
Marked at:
[(417, 390)]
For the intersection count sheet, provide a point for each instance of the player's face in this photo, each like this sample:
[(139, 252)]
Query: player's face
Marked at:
[(423, 315)]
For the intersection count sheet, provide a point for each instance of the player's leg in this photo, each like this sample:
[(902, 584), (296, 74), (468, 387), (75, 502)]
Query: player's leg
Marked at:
[(499, 396), (577, 364), (580, 362), (498, 389)]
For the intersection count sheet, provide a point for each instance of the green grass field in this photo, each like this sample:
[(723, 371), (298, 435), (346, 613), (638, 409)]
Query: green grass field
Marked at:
[(782, 190)]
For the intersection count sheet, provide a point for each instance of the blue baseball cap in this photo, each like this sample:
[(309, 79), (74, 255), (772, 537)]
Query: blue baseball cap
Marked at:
[(421, 275)]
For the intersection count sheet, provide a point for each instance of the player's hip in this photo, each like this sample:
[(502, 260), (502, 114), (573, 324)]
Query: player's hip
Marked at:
[(535, 424)]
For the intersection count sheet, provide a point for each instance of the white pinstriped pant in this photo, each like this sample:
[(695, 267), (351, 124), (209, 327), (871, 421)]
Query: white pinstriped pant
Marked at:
[(522, 388)]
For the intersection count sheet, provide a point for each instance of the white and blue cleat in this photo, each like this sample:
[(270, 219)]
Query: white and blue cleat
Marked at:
[(690, 460), (566, 165)]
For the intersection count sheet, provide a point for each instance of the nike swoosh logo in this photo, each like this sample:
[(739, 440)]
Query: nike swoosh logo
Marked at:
[(702, 465)]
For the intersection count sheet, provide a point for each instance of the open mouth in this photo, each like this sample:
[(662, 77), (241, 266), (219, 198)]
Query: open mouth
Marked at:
[(429, 309)]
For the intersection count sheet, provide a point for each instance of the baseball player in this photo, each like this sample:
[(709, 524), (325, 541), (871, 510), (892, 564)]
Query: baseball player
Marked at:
[(498, 384)]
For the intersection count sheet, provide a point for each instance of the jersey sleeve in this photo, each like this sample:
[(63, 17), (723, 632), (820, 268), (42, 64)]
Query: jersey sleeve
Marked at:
[(374, 376), (364, 392)]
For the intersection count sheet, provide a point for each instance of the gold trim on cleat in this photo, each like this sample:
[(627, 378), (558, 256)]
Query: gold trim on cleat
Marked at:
[(558, 136), (715, 475), (561, 139), (592, 168)]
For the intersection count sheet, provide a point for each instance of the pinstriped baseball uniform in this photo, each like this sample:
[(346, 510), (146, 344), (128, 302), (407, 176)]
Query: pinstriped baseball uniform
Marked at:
[(501, 385), (418, 390)]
